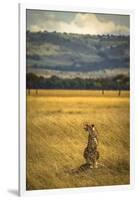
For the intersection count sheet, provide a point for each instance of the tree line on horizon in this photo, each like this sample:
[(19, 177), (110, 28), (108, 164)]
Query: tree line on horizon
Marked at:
[(119, 82)]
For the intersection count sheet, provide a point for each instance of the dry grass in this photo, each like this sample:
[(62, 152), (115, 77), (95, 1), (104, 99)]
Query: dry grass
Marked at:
[(56, 139)]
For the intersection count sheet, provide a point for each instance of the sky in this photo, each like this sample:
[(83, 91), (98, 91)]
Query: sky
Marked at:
[(80, 23)]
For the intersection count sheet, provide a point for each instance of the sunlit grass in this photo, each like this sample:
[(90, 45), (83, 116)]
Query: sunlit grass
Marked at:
[(56, 139)]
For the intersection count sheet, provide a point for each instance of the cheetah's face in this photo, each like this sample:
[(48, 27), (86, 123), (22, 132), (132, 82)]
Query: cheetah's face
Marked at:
[(86, 127)]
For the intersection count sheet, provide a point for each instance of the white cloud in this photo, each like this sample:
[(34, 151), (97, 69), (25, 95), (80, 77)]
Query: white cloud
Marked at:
[(81, 24)]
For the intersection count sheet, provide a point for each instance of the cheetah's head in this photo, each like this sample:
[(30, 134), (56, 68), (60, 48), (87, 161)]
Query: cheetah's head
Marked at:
[(88, 126)]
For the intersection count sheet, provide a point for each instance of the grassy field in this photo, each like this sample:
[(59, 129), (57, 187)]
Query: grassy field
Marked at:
[(56, 138)]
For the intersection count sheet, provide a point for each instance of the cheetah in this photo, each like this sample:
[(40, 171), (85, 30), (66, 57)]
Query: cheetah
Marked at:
[(91, 153)]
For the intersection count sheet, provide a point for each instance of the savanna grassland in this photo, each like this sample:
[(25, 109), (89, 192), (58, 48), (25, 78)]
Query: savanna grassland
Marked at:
[(56, 138)]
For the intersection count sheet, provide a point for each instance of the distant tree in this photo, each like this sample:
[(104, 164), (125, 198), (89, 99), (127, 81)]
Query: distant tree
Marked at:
[(122, 82), (119, 82), (103, 84), (119, 92)]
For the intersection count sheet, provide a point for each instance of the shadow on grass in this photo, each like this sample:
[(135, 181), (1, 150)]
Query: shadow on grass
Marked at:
[(82, 168)]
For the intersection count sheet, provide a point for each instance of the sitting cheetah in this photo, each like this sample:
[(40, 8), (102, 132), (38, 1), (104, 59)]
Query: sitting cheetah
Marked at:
[(91, 154)]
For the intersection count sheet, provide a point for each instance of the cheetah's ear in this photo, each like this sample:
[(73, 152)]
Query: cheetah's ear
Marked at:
[(85, 124)]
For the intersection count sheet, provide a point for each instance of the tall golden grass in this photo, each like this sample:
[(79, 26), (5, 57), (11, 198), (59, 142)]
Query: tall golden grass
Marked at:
[(56, 138)]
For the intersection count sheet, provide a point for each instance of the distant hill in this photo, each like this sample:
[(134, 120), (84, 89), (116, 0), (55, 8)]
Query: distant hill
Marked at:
[(74, 55)]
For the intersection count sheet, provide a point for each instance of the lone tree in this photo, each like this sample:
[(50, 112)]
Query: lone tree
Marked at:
[(122, 83), (103, 85)]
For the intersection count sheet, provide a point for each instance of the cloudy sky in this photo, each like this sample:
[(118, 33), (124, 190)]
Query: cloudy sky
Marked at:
[(81, 23)]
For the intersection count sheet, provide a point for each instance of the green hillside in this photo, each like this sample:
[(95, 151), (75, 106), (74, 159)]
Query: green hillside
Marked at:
[(76, 53)]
